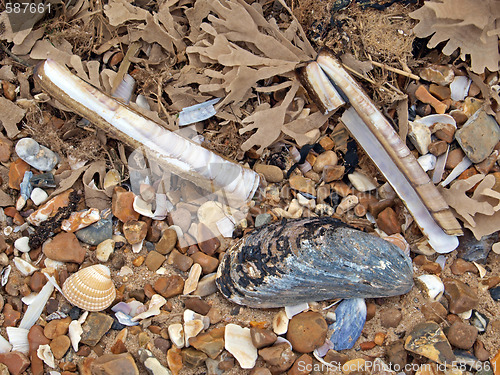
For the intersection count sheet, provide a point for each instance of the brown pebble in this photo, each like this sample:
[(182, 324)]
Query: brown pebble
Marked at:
[(137, 262), (336, 358), (327, 143), (302, 365), (174, 360), (396, 353), (154, 260), (307, 331), (480, 351), (461, 297), (208, 264), (444, 132), (333, 173), (387, 221), (462, 335), (180, 261), (37, 281), (260, 371), (135, 231), (371, 309), (487, 164), (279, 357), (197, 305), (64, 247), (162, 344), (167, 242), (440, 92), (432, 267), (262, 337), (367, 345), (454, 157), (35, 339), (16, 173), (207, 241), (169, 286), (5, 149), (11, 316), (67, 367), (459, 116), (425, 97), (379, 338), (16, 362), (375, 208), (360, 210), (114, 364), (122, 205), (438, 148), (434, 311), (390, 317), (271, 173), (56, 328), (460, 266), (60, 346), (193, 358)]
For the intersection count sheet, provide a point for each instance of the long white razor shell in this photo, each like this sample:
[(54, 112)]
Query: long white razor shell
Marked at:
[(391, 155), (183, 157)]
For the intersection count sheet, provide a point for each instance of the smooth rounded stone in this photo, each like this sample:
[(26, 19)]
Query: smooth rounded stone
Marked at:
[(461, 297), (438, 148), (114, 364), (302, 365), (324, 159), (104, 250), (211, 343), (390, 317), (262, 219), (495, 293), (56, 328), (443, 75), (271, 173), (38, 196), (135, 231), (362, 182), (154, 260), (207, 241), (182, 218), (396, 353), (262, 337), (169, 286), (162, 344), (480, 351), (179, 261), (454, 158), (15, 361), (64, 247), (22, 244), (197, 305), (193, 358), (238, 342), (388, 221), (208, 264), (5, 149), (434, 311), (36, 155), (96, 325), (60, 346), (307, 331), (35, 339), (462, 335), (279, 357), (428, 340), (350, 320), (37, 281), (333, 173), (96, 233), (167, 242), (478, 136)]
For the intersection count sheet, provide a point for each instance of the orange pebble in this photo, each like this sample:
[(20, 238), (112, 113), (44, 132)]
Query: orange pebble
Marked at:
[(379, 338), (16, 173), (426, 97)]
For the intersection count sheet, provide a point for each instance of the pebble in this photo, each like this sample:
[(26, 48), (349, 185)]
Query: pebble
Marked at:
[(262, 219), (122, 205), (347, 203), (473, 250), (495, 293), (302, 365), (182, 218), (444, 131), (387, 221), (191, 282), (56, 328), (495, 363), (162, 344), (174, 360), (193, 358), (302, 184), (135, 231), (17, 170), (371, 310), (324, 159), (461, 297), (60, 346), (207, 241), (5, 149), (37, 281), (197, 305), (208, 264), (362, 182), (238, 342), (38, 196), (462, 335), (279, 357), (179, 261), (22, 244), (262, 337), (95, 326), (36, 155), (396, 353), (434, 311), (480, 351), (154, 260), (443, 75), (327, 143), (81, 219), (307, 331), (176, 335), (333, 173), (438, 148), (35, 339), (96, 233), (167, 242), (169, 286), (211, 343), (427, 339), (104, 250), (460, 266), (454, 158), (426, 97), (420, 136), (390, 317), (280, 323), (271, 173), (440, 92), (15, 361), (151, 363), (478, 136), (260, 371), (64, 247), (11, 316), (351, 316), (379, 338), (114, 364), (206, 286)]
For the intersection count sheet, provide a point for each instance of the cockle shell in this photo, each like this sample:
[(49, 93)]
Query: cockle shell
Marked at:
[(90, 288)]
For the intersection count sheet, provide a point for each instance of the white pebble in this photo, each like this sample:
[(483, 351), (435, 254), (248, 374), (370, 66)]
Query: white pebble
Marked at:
[(238, 342), (362, 182), (21, 244), (38, 196), (104, 250), (176, 334)]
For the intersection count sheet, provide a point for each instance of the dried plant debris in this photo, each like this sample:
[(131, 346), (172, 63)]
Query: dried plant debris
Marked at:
[(479, 212), (466, 24)]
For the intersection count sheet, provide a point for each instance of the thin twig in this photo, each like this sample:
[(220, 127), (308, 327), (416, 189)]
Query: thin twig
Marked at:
[(359, 74), (14, 57), (396, 70)]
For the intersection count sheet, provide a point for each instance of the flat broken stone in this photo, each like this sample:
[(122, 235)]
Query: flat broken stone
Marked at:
[(238, 342), (428, 340), (114, 364), (96, 325)]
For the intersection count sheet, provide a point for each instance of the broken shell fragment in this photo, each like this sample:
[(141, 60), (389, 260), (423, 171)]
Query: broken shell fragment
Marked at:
[(311, 259), (90, 288), (431, 286), (81, 219)]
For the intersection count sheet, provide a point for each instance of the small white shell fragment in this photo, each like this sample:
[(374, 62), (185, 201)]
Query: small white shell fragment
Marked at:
[(137, 247), (5, 346), (142, 207), (427, 162), (280, 323), (291, 311), (308, 203), (125, 271), (112, 178), (28, 300), (226, 226), (45, 354), (191, 282), (466, 314), (176, 335), (361, 182), (431, 286), (18, 338), (161, 271), (457, 171), (481, 269), (22, 244), (51, 263), (142, 102), (197, 112), (104, 250), (432, 119), (191, 329), (5, 274), (156, 302), (437, 176), (441, 260), (460, 87), (346, 204), (35, 309), (7, 231), (24, 267), (75, 331), (38, 196), (238, 342)]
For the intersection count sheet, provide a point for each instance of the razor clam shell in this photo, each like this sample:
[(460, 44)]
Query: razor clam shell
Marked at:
[(313, 259), (397, 150), (181, 156)]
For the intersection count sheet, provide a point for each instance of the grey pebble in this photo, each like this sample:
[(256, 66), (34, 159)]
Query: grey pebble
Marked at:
[(36, 155), (96, 233), (262, 219)]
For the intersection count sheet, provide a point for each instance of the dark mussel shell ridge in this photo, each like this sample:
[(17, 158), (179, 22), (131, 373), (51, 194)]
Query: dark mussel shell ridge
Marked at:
[(313, 259)]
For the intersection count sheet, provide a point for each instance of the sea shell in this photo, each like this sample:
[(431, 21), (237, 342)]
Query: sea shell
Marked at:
[(311, 259), (90, 288)]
